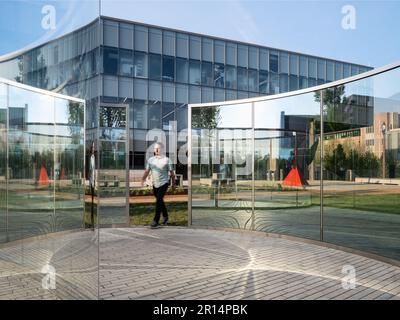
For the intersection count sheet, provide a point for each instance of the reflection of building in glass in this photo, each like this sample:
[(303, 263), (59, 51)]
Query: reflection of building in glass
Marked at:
[(41, 161), (157, 71)]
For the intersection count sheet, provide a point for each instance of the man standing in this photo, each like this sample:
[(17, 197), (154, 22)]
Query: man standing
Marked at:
[(160, 166)]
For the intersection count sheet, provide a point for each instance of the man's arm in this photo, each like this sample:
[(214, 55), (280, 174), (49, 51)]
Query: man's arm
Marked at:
[(145, 174)]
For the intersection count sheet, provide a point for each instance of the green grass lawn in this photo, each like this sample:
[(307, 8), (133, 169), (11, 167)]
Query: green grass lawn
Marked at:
[(142, 214), (388, 203)]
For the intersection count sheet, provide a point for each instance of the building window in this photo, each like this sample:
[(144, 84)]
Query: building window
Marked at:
[(253, 57), (182, 45), (321, 71), (253, 81), (140, 65), (231, 54), (230, 77), (168, 43), (155, 66), (243, 56), (294, 63), (338, 71), (125, 63), (263, 81), (167, 108), (283, 83), (303, 66), (195, 48), (242, 79), (303, 83), (140, 114), (273, 62), (283, 63), (206, 74), (141, 38), (219, 51), (154, 115), (182, 70), (207, 49), (155, 40), (194, 72), (219, 75), (329, 71), (168, 68), (293, 82), (312, 68), (354, 70), (346, 71), (110, 61)]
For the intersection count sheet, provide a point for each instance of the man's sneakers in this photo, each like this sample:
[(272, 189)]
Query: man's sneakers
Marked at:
[(154, 224)]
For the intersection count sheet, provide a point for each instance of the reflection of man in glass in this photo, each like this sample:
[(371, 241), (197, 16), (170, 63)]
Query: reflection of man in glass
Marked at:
[(159, 166), (92, 180)]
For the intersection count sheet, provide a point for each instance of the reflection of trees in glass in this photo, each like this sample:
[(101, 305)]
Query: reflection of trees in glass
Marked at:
[(337, 110), (75, 120), (364, 164), (205, 118), (111, 117)]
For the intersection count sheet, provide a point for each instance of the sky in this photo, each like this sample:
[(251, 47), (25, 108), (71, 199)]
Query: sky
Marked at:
[(364, 32)]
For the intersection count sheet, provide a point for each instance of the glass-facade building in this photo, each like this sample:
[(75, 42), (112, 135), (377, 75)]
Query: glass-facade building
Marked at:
[(156, 72)]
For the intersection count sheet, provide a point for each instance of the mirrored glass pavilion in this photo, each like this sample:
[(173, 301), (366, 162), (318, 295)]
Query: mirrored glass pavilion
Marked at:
[(48, 240), (321, 163)]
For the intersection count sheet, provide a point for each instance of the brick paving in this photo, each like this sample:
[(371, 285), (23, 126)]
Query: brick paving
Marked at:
[(184, 263)]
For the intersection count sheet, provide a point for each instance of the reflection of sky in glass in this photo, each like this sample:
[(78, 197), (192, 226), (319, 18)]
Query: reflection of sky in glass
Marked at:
[(21, 21), (386, 85), (62, 111), (40, 107), (235, 116), (383, 87), (269, 114), (3, 99)]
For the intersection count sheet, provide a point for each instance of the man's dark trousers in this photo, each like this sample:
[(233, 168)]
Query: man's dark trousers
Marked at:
[(160, 205)]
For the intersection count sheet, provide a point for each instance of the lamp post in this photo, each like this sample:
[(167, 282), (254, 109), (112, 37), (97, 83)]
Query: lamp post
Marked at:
[(383, 130)]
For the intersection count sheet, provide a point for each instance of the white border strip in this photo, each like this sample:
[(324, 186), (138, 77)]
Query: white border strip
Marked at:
[(42, 91)]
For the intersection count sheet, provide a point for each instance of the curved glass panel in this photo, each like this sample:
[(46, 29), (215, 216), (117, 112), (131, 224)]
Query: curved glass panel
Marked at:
[(361, 164), (286, 141), (338, 144), (46, 251), (222, 166)]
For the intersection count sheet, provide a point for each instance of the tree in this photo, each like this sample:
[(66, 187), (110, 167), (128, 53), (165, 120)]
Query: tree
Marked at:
[(336, 162), (205, 118)]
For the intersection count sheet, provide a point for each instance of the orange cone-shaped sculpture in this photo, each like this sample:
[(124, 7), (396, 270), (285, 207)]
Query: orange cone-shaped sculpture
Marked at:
[(43, 177), (294, 178), (62, 176)]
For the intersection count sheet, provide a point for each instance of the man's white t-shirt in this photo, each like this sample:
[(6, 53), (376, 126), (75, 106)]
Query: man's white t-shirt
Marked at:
[(159, 167)]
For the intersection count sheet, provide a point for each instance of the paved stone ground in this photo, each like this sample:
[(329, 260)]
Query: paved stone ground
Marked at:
[(375, 232), (74, 257), (184, 263), (181, 263)]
